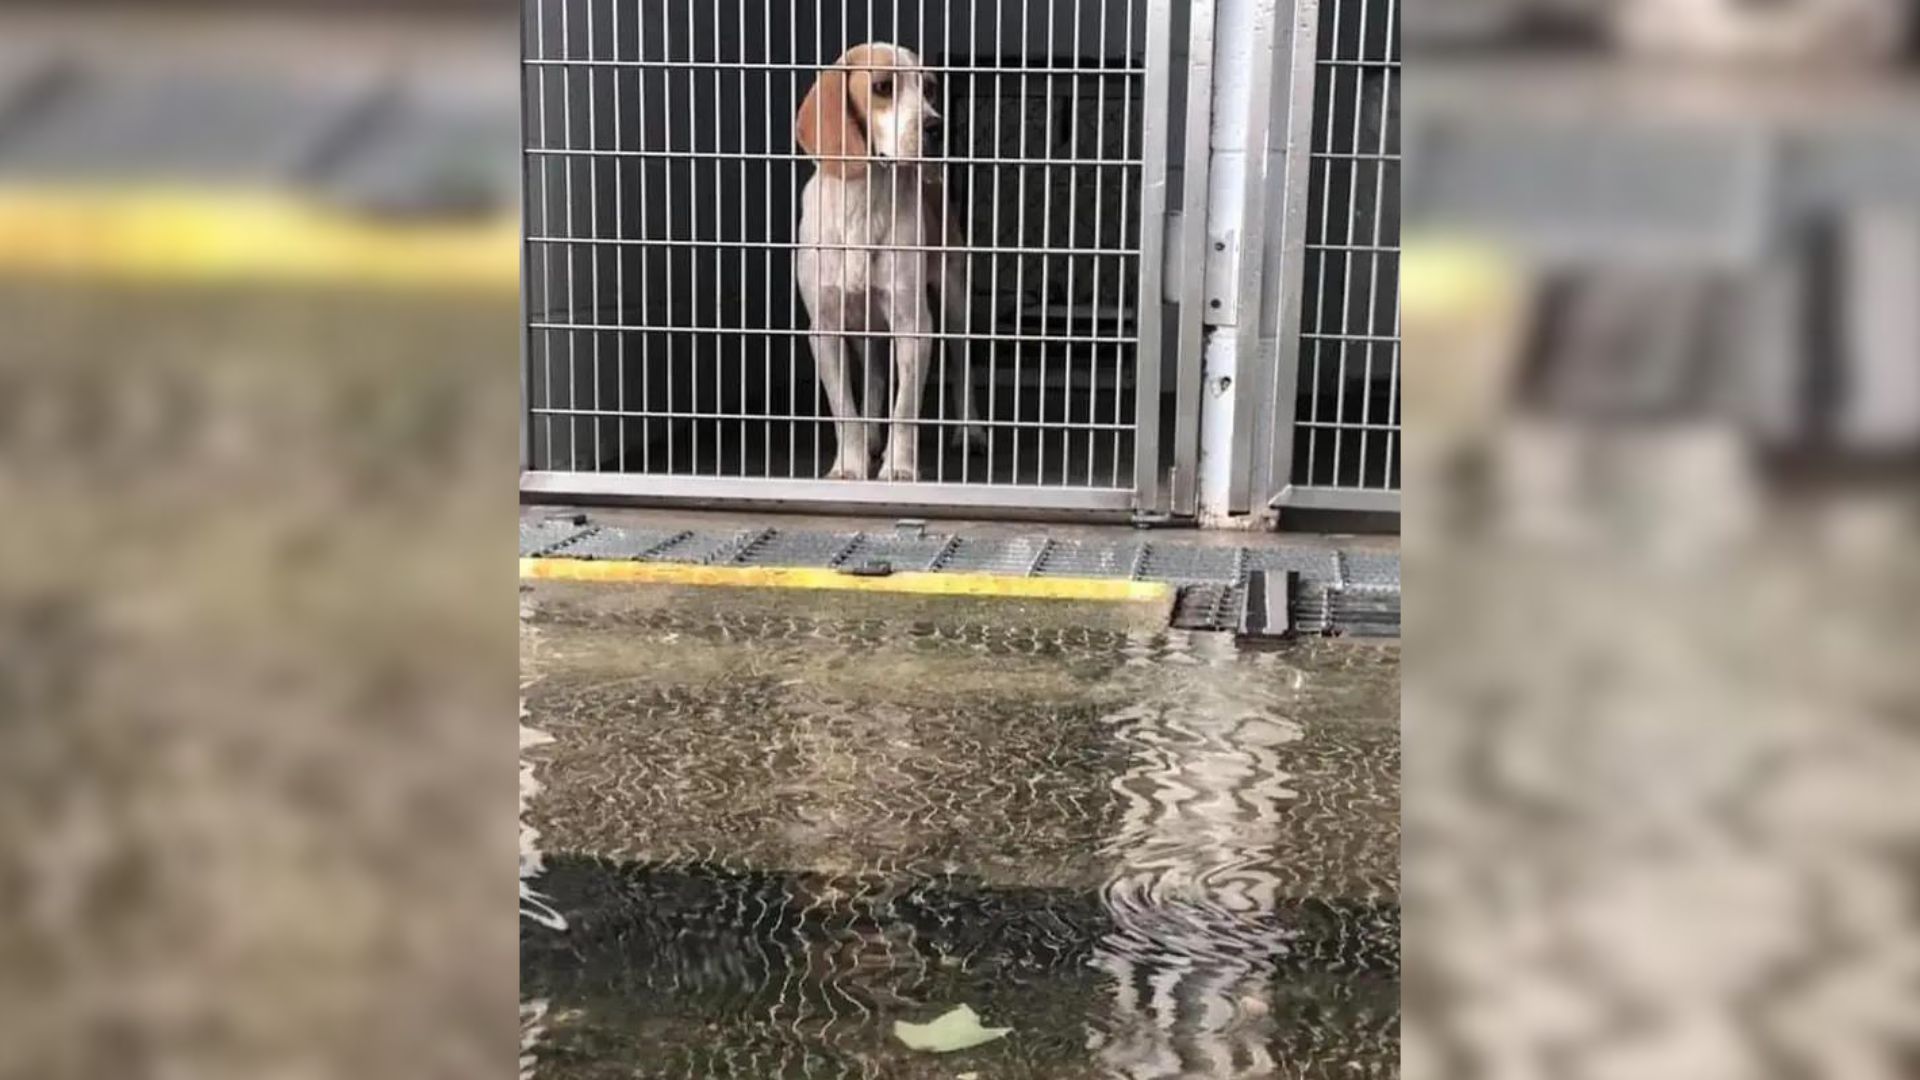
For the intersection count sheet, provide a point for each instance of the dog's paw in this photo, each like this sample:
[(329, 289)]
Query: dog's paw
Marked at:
[(970, 439), (848, 470), (898, 474)]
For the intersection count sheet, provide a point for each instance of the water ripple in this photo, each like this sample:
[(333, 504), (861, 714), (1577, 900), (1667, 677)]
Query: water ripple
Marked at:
[(770, 836)]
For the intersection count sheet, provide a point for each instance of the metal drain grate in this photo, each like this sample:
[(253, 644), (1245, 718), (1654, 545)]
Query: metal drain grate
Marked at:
[(899, 552), (616, 543), (1076, 559), (543, 536), (1344, 591)]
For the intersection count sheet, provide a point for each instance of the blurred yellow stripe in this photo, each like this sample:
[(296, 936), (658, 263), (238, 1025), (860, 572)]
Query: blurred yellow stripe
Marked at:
[(1446, 275), (239, 237), (983, 585)]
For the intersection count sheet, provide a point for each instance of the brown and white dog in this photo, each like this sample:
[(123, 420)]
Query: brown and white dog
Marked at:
[(868, 218)]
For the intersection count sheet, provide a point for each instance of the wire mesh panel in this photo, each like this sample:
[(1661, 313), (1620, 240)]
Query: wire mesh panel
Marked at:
[(844, 250), (1346, 435)]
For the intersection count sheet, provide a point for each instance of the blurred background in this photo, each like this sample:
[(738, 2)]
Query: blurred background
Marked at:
[(258, 284), (1661, 724)]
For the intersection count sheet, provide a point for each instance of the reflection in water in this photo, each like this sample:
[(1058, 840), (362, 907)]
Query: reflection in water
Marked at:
[(533, 905), (769, 837), (1194, 896)]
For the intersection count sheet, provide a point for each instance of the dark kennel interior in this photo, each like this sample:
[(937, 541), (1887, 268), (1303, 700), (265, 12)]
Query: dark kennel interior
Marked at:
[(663, 188)]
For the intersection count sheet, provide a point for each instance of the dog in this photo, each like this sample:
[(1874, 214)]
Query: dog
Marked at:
[(871, 207)]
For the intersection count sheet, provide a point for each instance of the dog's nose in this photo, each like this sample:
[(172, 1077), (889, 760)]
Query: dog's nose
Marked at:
[(933, 135)]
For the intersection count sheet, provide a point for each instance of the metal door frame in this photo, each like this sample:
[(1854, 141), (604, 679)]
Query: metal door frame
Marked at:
[(1147, 494)]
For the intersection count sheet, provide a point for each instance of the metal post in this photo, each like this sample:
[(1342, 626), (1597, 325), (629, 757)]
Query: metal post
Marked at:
[(1194, 245), (1153, 206), (1243, 69), (1255, 374), (1286, 262)]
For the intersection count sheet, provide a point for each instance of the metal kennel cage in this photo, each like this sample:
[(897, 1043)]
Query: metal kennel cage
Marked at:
[(668, 350), (1339, 349)]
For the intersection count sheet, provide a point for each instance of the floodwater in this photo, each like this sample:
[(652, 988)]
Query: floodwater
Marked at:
[(760, 828)]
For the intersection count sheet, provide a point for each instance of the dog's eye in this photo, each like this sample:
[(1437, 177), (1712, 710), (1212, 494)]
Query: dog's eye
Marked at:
[(883, 88)]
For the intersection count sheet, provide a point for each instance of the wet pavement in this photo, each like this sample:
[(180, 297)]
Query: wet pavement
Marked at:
[(761, 827)]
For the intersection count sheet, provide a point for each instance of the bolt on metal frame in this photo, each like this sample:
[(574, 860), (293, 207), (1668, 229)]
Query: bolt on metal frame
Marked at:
[(1337, 292), (667, 352)]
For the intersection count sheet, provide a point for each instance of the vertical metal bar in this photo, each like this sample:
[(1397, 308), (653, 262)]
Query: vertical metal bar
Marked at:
[(1020, 231), (1075, 100), (1340, 421), (1323, 148), (1099, 235), (746, 341), (1128, 222), (1191, 337), (871, 258), (819, 262), (573, 309), (619, 260), (993, 264), (693, 244), (766, 267), (890, 250), (846, 344), (669, 249), (646, 261), (1046, 261), (1374, 257), (938, 314), (1392, 439), (1393, 401), (593, 224), (1153, 204), (972, 173), (740, 341), (793, 302), (1303, 32), (854, 349)]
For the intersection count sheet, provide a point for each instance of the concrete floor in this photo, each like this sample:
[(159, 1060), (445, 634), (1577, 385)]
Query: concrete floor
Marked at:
[(766, 825)]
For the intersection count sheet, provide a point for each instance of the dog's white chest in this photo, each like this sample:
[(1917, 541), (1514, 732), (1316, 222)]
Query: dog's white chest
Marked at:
[(860, 235)]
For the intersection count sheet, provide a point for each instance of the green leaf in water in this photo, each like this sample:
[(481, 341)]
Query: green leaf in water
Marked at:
[(957, 1030)]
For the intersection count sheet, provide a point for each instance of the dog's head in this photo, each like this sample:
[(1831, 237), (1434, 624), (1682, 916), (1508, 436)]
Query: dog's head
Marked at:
[(874, 102)]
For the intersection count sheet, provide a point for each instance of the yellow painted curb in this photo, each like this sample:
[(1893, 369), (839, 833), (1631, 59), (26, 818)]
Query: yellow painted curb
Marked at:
[(201, 236), (916, 583)]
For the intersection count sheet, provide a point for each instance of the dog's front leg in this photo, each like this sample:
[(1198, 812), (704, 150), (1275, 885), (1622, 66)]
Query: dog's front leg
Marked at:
[(957, 320), (901, 461), (850, 457), (874, 399)]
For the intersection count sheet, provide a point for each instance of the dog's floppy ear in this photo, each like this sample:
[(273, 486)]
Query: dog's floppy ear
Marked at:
[(827, 127)]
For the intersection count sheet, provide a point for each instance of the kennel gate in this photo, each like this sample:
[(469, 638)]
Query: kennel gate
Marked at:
[(666, 349), (1334, 439)]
